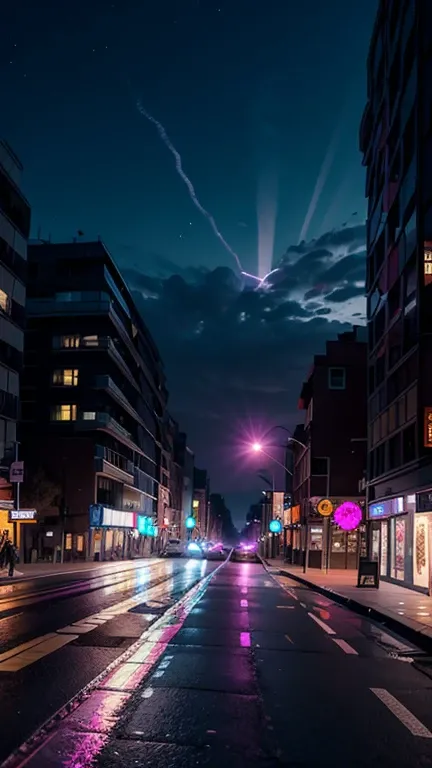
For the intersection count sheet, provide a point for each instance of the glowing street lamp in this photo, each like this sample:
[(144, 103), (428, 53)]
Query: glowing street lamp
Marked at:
[(257, 447)]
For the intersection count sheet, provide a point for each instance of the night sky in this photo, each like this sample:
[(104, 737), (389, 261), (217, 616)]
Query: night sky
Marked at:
[(262, 101)]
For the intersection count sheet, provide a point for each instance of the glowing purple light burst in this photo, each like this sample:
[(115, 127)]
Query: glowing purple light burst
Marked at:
[(192, 194), (348, 515)]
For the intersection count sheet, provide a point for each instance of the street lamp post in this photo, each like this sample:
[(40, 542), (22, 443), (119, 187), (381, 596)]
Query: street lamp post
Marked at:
[(258, 448)]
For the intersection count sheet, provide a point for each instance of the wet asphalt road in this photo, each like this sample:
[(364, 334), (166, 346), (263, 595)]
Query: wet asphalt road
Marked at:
[(131, 597), (265, 674)]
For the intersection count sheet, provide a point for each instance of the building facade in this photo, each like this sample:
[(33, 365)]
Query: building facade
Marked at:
[(330, 457), (200, 502), (396, 142), (93, 400), (14, 232)]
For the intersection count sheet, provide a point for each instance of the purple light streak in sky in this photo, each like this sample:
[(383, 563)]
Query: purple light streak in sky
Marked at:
[(192, 194)]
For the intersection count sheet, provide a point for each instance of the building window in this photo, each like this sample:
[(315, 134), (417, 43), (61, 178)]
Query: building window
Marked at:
[(68, 296), (63, 412), (427, 264), (66, 377), (5, 303), (336, 378), (90, 341), (66, 342), (89, 415), (68, 541)]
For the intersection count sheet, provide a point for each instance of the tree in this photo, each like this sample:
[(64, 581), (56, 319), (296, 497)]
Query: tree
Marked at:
[(40, 492)]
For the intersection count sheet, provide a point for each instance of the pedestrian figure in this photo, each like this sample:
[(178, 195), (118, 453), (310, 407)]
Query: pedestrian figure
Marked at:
[(11, 557), (4, 538)]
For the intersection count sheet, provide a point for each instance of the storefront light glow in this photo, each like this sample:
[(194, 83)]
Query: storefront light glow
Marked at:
[(348, 515), (275, 526), (190, 522)]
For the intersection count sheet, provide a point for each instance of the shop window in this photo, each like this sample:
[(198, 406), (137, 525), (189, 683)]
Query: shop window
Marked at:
[(63, 412), (66, 377), (427, 263), (68, 541), (90, 341), (80, 543), (409, 444), (336, 378), (338, 541)]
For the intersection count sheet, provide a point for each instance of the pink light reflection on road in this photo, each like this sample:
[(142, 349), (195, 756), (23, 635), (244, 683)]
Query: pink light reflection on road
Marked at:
[(245, 639), (244, 603)]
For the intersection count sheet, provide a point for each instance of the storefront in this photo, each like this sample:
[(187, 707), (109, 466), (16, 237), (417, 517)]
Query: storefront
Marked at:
[(392, 524), (422, 541)]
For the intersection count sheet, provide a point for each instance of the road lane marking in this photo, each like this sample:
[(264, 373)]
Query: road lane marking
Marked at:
[(289, 639), (323, 626), (37, 652), (303, 605), (285, 607), (12, 616), (402, 713), (345, 646), (244, 603), (25, 646), (245, 639)]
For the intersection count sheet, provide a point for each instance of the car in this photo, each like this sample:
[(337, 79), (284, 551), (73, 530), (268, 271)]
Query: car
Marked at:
[(173, 548), (193, 549), (215, 552), (245, 553)]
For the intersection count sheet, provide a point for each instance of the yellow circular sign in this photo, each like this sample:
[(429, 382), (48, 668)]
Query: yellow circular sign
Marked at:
[(325, 507)]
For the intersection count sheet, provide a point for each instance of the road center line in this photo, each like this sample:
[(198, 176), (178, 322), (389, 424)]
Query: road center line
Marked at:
[(323, 626), (402, 713), (345, 646)]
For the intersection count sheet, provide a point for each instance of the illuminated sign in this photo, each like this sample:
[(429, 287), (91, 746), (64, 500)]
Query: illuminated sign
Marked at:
[(427, 427), (23, 515), (295, 514), (190, 522), (110, 518), (275, 526), (387, 508), (325, 507), (195, 503)]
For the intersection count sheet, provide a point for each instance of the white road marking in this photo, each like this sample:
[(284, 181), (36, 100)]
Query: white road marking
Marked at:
[(303, 605), (402, 713), (345, 646), (323, 626), (285, 607), (383, 637)]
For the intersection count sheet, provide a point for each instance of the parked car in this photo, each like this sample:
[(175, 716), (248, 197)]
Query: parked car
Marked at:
[(245, 553), (173, 548)]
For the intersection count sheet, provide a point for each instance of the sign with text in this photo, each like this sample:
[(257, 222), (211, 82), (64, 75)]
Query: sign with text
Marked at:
[(427, 422), (22, 515), (368, 575), (16, 472)]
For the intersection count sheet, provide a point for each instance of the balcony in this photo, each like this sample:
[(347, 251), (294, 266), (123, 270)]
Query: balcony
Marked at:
[(106, 383), (145, 483), (103, 421), (52, 307), (113, 464)]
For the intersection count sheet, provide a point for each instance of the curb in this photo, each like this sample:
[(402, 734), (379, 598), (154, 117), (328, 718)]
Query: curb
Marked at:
[(413, 636)]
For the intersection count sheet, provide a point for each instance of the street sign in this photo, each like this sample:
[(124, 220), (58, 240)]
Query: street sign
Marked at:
[(23, 515), (16, 472)]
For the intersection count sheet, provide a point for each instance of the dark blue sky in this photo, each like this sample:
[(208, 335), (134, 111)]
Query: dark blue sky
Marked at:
[(254, 95)]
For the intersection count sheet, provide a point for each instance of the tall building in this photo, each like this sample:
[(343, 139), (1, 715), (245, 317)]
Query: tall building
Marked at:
[(93, 400), (330, 456), (200, 503), (14, 233), (396, 142)]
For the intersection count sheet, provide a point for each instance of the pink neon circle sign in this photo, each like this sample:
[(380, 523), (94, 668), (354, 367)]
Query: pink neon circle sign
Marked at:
[(348, 515)]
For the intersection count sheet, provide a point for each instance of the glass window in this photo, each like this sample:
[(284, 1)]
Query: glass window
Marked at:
[(66, 342), (5, 303), (89, 415), (90, 341), (80, 543), (338, 541), (336, 378), (66, 377), (384, 548), (64, 412), (68, 296), (68, 541), (398, 547)]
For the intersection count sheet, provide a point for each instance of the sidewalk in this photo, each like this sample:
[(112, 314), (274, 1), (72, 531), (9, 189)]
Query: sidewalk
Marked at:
[(404, 610)]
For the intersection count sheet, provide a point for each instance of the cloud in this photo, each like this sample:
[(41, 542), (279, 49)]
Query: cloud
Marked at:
[(235, 357)]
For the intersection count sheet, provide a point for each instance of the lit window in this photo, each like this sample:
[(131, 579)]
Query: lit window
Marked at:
[(90, 341), (64, 413), (68, 541), (80, 543), (67, 342), (89, 415), (67, 377), (4, 302), (336, 378), (427, 264)]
